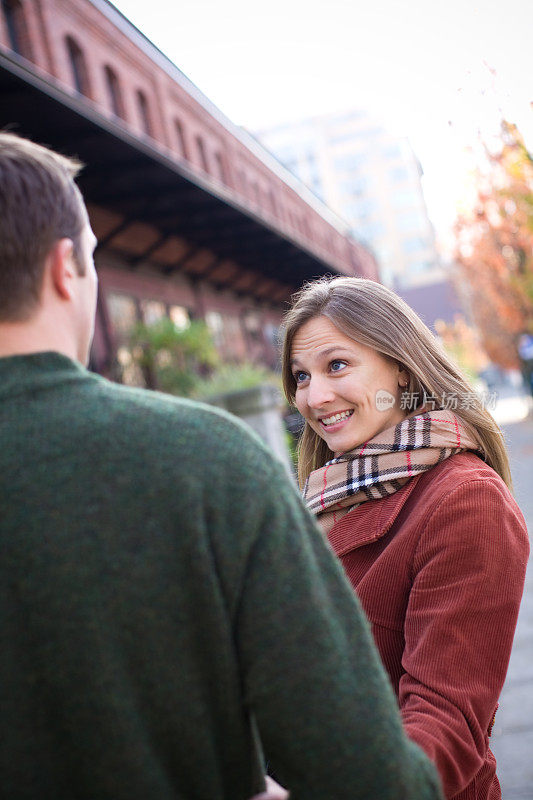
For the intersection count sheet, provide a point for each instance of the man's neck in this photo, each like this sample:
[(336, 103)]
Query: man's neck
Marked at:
[(23, 338)]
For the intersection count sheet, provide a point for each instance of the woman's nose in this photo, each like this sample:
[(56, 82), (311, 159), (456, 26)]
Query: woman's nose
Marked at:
[(319, 393)]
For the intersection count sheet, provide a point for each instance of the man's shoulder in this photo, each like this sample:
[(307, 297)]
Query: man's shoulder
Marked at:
[(133, 400), (187, 449), (143, 419)]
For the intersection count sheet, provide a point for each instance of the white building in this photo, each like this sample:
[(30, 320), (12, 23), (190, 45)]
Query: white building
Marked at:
[(371, 179)]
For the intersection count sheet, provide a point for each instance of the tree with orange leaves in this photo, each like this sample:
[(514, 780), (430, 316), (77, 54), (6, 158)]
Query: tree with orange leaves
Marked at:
[(495, 248)]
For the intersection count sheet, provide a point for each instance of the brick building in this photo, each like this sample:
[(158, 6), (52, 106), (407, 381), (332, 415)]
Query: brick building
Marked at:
[(194, 218)]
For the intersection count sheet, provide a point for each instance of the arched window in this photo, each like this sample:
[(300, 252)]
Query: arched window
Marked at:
[(202, 153), (17, 29), (78, 66), (256, 193), (243, 182), (180, 136), (221, 168), (144, 113), (114, 93), (272, 199)]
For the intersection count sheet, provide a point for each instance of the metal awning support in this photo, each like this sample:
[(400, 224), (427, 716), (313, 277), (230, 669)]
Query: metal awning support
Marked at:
[(134, 262), (108, 238)]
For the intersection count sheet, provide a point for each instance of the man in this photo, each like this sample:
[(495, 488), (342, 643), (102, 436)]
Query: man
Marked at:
[(170, 615)]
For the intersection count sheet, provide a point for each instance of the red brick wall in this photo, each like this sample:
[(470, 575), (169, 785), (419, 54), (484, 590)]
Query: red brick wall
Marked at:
[(106, 39), (247, 173)]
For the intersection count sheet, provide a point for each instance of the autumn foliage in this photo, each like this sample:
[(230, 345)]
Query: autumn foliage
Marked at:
[(495, 247)]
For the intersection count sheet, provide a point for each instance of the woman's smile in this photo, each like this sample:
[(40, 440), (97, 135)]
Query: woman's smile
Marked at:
[(336, 421)]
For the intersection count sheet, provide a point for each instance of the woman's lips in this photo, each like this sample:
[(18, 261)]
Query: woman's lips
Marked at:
[(334, 422)]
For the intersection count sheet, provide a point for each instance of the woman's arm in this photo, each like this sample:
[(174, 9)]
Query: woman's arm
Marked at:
[(468, 576)]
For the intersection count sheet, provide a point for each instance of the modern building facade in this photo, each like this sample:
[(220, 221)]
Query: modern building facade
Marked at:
[(372, 180), (194, 218)]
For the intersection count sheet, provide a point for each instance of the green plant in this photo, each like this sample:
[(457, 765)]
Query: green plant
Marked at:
[(292, 446), (171, 359), (233, 378)]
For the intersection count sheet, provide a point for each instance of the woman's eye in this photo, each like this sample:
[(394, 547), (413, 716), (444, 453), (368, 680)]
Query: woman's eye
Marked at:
[(336, 366), (300, 376)]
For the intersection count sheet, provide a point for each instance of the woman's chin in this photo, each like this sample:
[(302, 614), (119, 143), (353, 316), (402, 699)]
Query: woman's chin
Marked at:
[(339, 445)]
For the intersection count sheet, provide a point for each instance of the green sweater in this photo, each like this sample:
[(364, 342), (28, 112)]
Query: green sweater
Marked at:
[(166, 604)]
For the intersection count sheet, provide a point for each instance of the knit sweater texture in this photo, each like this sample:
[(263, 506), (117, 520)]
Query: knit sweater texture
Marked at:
[(170, 615)]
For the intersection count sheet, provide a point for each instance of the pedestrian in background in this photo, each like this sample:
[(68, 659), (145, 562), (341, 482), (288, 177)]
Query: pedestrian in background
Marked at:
[(525, 352), (409, 478)]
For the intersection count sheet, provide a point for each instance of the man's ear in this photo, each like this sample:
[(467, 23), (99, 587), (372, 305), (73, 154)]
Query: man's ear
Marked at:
[(62, 267)]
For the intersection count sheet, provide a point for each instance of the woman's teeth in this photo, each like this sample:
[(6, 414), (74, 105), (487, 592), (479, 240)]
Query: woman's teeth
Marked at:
[(336, 417)]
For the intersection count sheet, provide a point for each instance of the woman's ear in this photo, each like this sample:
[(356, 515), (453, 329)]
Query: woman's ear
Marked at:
[(403, 377)]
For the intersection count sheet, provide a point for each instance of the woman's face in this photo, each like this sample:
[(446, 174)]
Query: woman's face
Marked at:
[(346, 391)]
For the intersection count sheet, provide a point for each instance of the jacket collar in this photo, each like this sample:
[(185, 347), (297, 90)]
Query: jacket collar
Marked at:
[(369, 521)]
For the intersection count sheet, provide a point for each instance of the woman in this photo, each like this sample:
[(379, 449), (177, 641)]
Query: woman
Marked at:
[(408, 476)]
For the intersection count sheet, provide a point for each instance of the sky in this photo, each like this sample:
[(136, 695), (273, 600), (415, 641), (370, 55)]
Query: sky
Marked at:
[(435, 72)]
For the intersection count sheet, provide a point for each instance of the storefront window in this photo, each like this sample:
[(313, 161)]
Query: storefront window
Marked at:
[(123, 313), (180, 317), (152, 311)]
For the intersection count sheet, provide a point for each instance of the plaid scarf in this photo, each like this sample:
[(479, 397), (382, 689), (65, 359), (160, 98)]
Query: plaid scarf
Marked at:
[(384, 464)]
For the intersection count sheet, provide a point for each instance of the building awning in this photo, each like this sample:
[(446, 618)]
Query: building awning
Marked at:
[(132, 178)]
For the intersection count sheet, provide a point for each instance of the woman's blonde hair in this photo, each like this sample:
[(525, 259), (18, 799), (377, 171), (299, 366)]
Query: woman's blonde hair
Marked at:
[(373, 315)]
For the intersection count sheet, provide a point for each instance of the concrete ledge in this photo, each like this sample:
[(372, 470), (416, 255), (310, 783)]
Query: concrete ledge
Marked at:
[(260, 407)]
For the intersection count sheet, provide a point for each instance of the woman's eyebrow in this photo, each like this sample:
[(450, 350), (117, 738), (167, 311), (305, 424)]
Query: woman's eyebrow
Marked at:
[(337, 349), (324, 354)]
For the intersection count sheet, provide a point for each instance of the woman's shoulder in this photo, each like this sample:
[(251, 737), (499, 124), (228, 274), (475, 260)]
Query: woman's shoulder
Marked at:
[(463, 512), (464, 486), (462, 468)]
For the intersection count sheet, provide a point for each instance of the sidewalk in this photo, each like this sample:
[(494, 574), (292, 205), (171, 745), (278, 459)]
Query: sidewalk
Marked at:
[(512, 738)]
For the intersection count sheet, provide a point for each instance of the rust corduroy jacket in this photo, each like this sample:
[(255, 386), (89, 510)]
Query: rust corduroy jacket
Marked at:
[(439, 567)]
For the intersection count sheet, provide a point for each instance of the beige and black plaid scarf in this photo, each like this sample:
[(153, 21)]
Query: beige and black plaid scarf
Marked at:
[(384, 464)]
